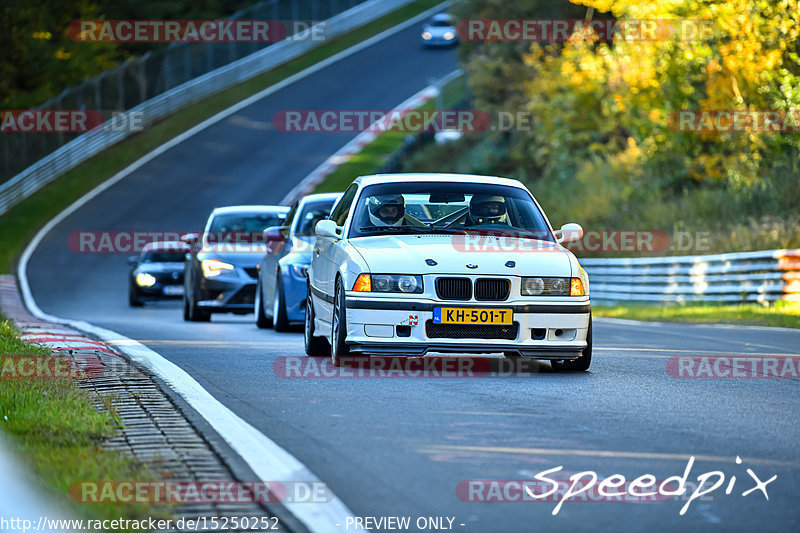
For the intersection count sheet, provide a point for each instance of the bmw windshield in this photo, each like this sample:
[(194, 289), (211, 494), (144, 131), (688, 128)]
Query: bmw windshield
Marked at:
[(424, 207)]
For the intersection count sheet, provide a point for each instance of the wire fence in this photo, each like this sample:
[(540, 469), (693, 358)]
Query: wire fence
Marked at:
[(141, 79)]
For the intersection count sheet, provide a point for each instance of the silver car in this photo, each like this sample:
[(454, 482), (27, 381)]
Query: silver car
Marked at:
[(440, 31)]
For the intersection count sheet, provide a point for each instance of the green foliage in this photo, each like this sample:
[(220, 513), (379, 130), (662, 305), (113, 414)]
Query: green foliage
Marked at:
[(38, 60), (601, 134)]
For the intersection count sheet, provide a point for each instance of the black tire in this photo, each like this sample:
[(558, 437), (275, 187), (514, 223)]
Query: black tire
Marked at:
[(339, 348), (133, 297), (279, 320), (582, 363), (315, 346), (191, 312), (262, 320)]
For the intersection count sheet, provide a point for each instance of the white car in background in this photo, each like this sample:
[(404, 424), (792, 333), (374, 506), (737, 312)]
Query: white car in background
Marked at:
[(409, 264), (440, 31)]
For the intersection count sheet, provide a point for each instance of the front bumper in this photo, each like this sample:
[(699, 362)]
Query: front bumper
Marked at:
[(236, 295), (541, 330), (438, 41)]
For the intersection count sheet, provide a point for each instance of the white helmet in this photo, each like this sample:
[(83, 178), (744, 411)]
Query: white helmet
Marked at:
[(386, 210), (488, 209)]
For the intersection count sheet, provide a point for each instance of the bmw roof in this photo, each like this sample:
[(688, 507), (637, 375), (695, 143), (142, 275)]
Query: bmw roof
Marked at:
[(434, 176), (251, 209)]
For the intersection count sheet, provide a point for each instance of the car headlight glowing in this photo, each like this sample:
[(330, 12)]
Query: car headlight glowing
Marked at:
[(143, 279), (449, 36), (212, 267), (406, 283), (547, 287), (427, 35), (300, 271)]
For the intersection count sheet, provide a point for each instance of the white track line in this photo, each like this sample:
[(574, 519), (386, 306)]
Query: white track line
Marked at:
[(267, 460)]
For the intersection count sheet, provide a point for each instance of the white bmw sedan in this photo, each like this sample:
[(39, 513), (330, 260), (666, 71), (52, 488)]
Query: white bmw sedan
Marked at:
[(409, 264)]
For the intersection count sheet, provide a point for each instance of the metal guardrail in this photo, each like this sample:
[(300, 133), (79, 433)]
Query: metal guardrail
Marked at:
[(89, 144), (762, 276)]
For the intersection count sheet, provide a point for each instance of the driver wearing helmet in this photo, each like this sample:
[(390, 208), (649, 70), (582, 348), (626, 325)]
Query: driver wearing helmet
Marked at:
[(387, 210), (487, 209)]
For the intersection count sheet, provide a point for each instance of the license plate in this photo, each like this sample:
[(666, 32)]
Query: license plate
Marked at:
[(173, 290), (461, 315)]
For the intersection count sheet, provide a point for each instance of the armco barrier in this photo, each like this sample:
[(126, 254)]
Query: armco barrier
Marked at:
[(85, 146), (763, 276)]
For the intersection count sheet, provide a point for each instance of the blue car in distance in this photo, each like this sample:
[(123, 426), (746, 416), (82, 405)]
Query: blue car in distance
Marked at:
[(281, 288)]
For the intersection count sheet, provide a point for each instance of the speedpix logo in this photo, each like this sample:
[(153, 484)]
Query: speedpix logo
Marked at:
[(588, 486)]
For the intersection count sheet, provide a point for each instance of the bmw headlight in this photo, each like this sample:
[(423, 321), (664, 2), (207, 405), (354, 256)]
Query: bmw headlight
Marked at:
[(545, 287), (212, 267), (143, 279), (427, 35), (404, 283)]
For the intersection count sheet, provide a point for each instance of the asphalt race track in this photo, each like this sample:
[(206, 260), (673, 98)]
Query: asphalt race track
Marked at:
[(400, 447)]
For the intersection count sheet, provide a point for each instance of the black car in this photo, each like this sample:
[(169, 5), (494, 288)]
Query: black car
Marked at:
[(220, 273), (157, 272)]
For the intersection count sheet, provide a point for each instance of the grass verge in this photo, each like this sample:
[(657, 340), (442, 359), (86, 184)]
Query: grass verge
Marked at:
[(19, 224), (781, 313), (57, 432)]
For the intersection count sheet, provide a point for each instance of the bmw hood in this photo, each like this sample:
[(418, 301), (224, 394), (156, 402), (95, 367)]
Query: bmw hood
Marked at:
[(160, 267), (235, 254), (462, 254)]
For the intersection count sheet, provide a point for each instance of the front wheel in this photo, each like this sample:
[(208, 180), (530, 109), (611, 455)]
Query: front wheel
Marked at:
[(339, 348), (191, 312), (262, 320), (133, 297), (581, 364), (279, 320), (315, 346)]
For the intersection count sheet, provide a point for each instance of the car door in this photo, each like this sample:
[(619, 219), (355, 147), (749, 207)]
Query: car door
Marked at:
[(269, 263), (323, 269)]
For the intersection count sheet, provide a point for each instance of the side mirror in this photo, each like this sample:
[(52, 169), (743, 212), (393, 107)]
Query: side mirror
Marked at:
[(132, 260), (327, 228), (274, 234), (569, 233), (190, 238)]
